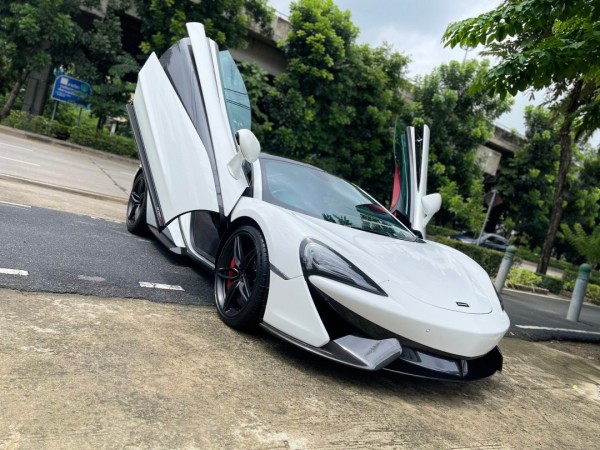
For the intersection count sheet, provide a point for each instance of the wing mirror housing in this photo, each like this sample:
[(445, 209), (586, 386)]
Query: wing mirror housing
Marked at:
[(248, 150), (431, 204)]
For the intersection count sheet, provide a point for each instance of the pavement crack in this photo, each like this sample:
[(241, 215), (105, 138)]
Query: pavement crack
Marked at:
[(109, 177)]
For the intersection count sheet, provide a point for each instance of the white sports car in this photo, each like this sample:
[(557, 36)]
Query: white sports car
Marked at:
[(301, 253)]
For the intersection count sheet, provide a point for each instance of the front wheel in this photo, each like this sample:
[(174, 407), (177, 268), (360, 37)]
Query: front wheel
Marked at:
[(136, 206), (242, 278)]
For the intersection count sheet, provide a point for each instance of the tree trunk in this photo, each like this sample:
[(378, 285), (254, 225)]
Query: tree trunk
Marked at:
[(13, 94), (572, 103)]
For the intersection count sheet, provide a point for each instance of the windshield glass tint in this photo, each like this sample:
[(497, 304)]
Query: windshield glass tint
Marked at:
[(316, 193)]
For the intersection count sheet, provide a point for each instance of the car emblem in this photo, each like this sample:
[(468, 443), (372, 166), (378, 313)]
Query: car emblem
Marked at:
[(465, 305)]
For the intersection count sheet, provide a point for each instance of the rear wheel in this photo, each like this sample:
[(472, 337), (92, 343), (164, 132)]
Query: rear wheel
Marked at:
[(242, 278), (136, 207)]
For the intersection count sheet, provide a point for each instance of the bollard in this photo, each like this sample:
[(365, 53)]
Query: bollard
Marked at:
[(579, 292), (507, 261)]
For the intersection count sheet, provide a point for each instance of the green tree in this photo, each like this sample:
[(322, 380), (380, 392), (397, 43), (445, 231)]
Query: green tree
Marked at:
[(336, 103), (552, 44), (582, 198), (31, 34), (586, 244), (460, 121), (226, 21), (101, 60), (526, 180), (258, 87)]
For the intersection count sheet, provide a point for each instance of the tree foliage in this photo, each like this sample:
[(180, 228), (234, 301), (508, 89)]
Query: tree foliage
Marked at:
[(586, 244), (582, 200), (541, 44), (31, 35), (461, 119), (553, 44), (99, 58), (527, 178), (225, 21), (336, 103), (50, 33)]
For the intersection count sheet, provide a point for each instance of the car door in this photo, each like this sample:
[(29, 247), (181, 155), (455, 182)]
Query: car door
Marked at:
[(182, 130)]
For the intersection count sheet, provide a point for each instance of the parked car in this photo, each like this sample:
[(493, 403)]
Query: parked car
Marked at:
[(303, 254), (488, 240)]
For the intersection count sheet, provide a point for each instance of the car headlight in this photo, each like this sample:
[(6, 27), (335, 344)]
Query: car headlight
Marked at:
[(318, 259)]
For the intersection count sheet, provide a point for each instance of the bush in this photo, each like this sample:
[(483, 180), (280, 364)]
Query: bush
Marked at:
[(571, 275), (102, 140), (488, 259), (523, 277), (593, 294), (553, 284), (37, 124)]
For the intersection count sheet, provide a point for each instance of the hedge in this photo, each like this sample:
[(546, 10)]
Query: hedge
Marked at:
[(100, 140), (488, 259), (593, 294), (553, 284), (36, 124), (522, 277), (435, 230), (525, 277)]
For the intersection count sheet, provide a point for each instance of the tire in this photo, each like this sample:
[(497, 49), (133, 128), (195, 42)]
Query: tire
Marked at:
[(242, 278), (136, 206)]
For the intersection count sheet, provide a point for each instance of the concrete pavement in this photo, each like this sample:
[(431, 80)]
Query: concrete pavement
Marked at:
[(83, 372)]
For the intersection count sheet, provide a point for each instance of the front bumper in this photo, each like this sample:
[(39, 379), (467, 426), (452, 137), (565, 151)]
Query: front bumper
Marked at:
[(387, 354)]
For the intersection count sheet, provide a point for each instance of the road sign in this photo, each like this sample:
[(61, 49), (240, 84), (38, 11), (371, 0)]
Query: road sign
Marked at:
[(71, 90)]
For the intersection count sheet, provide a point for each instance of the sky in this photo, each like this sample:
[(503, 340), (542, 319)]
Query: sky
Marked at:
[(415, 28)]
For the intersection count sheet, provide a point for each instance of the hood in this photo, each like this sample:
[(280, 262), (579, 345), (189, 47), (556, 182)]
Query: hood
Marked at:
[(426, 271)]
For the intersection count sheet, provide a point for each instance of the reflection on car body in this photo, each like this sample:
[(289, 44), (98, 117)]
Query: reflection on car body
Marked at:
[(488, 240)]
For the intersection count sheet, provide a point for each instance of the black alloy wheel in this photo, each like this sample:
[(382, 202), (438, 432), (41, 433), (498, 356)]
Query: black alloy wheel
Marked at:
[(242, 278), (136, 207)]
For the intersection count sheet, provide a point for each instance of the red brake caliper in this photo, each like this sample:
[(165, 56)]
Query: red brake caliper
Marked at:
[(230, 282)]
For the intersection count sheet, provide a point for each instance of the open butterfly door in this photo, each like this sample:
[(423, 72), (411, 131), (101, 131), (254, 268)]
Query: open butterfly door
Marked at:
[(409, 195), (182, 130)]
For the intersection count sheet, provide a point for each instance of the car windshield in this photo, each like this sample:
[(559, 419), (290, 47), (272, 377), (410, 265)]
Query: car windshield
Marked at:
[(319, 194)]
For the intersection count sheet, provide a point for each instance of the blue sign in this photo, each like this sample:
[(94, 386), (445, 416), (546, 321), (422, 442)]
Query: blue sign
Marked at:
[(71, 90)]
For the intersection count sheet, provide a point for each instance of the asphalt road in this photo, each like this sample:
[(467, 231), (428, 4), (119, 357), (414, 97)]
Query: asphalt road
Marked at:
[(43, 162), (70, 253), (79, 254), (542, 318)]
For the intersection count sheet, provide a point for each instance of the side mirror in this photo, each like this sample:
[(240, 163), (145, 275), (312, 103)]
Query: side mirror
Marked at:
[(431, 204), (248, 150)]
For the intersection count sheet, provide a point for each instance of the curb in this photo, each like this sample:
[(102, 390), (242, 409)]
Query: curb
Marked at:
[(68, 190), (65, 144)]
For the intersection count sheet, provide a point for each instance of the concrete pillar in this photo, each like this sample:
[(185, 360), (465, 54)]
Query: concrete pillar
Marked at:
[(579, 292), (509, 256)]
